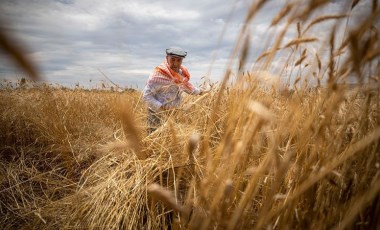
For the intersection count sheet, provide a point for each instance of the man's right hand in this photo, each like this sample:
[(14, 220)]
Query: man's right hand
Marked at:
[(164, 108)]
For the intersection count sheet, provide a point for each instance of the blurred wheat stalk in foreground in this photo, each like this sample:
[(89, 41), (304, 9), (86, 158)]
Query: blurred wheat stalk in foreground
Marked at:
[(250, 156)]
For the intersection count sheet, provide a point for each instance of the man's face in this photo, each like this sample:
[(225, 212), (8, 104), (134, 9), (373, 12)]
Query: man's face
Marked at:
[(174, 62)]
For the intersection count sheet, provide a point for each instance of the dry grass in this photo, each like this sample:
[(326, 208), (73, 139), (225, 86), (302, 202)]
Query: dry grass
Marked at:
[(245, 156)]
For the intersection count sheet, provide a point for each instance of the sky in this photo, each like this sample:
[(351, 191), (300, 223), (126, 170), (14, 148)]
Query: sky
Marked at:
[(80, 41)]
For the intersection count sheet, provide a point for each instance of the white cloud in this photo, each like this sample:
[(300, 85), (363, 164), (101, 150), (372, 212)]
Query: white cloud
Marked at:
[(157, 11)]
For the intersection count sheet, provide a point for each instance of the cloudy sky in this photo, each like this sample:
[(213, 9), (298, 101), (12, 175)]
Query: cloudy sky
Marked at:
[(73, 40)]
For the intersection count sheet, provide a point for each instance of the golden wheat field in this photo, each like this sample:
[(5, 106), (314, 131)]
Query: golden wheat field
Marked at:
[(244, 156)]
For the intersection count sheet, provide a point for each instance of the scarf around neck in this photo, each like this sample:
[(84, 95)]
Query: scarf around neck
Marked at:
[(165, 70)]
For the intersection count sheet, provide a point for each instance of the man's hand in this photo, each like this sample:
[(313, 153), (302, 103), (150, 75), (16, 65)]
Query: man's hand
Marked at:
[(202, 92), (164, 108)]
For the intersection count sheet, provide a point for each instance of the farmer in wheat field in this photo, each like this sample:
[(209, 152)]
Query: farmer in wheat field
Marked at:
[(165, 86)]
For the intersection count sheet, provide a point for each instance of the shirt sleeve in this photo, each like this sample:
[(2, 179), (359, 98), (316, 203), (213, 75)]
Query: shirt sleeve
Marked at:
[(196, 91), (191, 89), (148, 96)]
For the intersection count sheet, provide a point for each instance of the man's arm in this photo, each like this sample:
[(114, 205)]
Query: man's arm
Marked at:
[(148, 96), (190, 89)]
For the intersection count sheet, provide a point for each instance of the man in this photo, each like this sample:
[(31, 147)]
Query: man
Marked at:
[(165, 86)]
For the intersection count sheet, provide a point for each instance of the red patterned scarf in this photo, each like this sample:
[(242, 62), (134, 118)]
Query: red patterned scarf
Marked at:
[(165, 70)]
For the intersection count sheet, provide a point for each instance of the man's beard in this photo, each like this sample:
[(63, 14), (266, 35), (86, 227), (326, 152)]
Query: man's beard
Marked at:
[(175, 69)]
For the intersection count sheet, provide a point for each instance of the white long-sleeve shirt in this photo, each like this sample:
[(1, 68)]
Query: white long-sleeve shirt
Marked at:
[(162, 90)]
